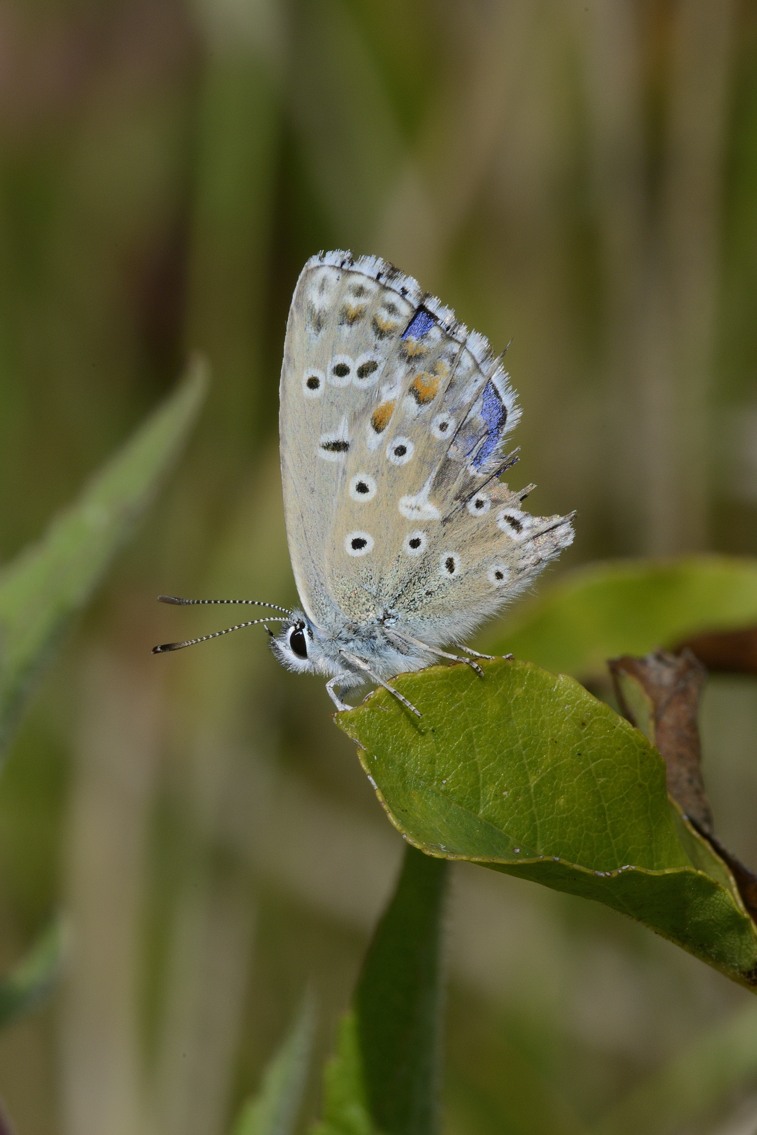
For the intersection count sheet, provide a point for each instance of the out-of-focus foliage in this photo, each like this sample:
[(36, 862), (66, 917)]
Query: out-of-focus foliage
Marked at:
[(275, 1108), (50, 582), (577, 176), (631, 607), (33, 978)]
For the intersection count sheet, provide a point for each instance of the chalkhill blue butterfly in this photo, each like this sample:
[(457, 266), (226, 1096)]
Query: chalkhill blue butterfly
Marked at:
[(402, 537)]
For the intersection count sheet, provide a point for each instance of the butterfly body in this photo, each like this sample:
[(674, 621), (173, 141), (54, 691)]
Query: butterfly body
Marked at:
[(337, 653)]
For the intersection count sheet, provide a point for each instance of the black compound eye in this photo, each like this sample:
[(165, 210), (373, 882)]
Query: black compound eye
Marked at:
[(298, 642)]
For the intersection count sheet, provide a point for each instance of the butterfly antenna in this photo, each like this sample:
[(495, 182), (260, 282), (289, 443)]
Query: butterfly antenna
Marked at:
[(178, 601), (167, 646)]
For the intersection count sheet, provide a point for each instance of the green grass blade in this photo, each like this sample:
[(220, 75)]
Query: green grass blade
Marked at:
[(31, 980), (275, 1109), (42, 590), (385, 1075)]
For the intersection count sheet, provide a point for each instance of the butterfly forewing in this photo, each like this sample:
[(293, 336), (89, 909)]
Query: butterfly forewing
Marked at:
[(332, 372)]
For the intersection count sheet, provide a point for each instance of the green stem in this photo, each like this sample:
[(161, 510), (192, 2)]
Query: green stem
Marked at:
[(399, 1003)]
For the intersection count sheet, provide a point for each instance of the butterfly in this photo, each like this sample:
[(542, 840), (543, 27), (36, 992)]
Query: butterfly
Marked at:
[(402, 537)]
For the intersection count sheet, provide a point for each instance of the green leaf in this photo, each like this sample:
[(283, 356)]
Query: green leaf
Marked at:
[(30, 982), (385, 1075), (275, 1109), (527, 773), (633, 607), (42, 590)]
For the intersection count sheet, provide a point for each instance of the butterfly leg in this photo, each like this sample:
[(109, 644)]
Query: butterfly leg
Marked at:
[(488, 657), (459, 658), (360, 665), (331, 690), (476, 653), (445, 653)]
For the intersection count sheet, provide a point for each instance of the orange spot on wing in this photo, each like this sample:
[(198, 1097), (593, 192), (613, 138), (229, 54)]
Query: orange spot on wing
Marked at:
[(351, 313), (413, 348), (424, 388), (384, 326), (381, 415)]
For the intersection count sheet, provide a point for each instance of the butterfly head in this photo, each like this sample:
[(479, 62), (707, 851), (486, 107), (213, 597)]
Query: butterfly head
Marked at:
[(293, 645), (301, 647)]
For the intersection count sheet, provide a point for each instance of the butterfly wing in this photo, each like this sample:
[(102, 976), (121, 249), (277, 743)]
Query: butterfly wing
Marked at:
[(393, 421), (341, 321)]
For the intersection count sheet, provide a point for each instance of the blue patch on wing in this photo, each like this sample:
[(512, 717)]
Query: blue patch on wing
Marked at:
[(494, 413), (419, 325)]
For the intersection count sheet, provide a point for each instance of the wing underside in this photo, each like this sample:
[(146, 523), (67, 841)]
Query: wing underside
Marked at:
[(393, 423)]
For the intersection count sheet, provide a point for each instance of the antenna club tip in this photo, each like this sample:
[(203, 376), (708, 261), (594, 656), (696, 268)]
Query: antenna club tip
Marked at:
[(163, 648), (175, 599)]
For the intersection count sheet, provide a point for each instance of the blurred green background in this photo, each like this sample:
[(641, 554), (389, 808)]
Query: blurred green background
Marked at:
[(579, 177)]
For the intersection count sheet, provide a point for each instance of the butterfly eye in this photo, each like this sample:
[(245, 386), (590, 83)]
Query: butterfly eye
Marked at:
[(298, 642)]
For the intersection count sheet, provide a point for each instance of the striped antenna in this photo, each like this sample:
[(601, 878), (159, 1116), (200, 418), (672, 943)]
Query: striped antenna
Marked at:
[(165, 647)]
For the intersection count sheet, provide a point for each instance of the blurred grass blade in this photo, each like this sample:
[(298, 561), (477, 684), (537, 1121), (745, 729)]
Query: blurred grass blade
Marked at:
[(49, 582), (31, 980), (385, 1076), (526, 773), (634, 607), (275, 1109)]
